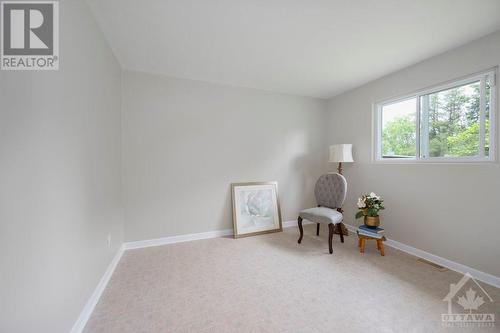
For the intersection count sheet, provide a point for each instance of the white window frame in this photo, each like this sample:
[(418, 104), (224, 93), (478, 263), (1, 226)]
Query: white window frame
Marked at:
[(481, 77)]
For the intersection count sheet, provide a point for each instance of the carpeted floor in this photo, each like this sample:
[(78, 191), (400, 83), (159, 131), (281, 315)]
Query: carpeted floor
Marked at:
[(270, 283)]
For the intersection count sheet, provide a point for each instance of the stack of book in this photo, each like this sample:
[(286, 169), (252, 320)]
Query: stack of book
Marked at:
[(374, 232)]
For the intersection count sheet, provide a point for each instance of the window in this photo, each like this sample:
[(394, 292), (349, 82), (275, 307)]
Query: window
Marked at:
[(452, 122)]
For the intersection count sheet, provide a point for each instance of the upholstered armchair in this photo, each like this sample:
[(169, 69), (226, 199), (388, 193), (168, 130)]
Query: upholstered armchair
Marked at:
[(330, 191)]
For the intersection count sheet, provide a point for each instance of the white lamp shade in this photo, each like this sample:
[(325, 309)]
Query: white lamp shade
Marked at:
[(341, 153)]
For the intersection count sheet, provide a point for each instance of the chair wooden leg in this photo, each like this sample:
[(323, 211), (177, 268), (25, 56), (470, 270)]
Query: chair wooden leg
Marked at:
[(341, 231), (359, 242), (317, 229), (331, 228), (300, 229)]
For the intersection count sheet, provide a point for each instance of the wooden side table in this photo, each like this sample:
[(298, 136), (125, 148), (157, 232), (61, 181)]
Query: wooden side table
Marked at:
[(362, 241)]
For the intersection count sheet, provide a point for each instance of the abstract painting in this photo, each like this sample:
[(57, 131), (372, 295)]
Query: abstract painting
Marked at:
[(256, 208)]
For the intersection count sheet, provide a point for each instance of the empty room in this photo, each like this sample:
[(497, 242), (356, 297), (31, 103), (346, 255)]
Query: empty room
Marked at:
[(224, 166)]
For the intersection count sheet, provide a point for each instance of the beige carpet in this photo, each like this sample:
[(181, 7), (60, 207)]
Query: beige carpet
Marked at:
[(269, 283)]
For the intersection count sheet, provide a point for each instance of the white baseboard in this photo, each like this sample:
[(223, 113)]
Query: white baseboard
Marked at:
[(177, 239), (94, 298), (190, 237), (454, 266)]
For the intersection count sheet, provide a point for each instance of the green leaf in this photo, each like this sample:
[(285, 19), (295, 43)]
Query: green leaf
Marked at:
[(359, 214)]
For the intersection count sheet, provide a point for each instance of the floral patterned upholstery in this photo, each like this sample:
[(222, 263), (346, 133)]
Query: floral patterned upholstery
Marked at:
[(330, 190)]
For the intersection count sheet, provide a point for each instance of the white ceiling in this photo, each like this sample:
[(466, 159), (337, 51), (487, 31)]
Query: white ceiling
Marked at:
[(303, 47)]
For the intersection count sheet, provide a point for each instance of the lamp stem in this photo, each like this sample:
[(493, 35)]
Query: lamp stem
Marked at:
[(340, 210)]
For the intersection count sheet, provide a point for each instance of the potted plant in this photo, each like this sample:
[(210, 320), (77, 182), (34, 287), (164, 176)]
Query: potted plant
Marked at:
[(369, 206)]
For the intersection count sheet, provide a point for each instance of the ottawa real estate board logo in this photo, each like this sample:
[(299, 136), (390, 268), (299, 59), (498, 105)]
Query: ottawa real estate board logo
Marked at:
[(29, 35), (467, 301)]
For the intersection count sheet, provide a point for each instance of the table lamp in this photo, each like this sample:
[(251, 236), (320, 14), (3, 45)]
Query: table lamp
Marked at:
[(341, 153)]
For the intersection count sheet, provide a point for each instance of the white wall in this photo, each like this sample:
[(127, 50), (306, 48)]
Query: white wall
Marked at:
[(185, 142), (59, 179), (450, 210)]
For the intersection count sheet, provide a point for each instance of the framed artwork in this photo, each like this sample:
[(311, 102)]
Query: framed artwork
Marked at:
[(256, 208)]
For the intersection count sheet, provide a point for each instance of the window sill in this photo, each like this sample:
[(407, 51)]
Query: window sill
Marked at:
[(436, 161)]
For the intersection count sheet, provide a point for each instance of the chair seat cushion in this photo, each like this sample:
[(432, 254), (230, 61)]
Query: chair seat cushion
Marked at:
[(321, 215)]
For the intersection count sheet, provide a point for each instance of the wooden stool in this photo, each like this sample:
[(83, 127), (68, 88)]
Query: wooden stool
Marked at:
[(362, 242)]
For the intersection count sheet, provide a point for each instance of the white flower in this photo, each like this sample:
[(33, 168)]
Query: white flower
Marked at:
[(361, 203), (373, 195)]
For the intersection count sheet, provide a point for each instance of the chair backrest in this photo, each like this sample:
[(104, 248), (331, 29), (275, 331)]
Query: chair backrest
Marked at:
[(330, 190)]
